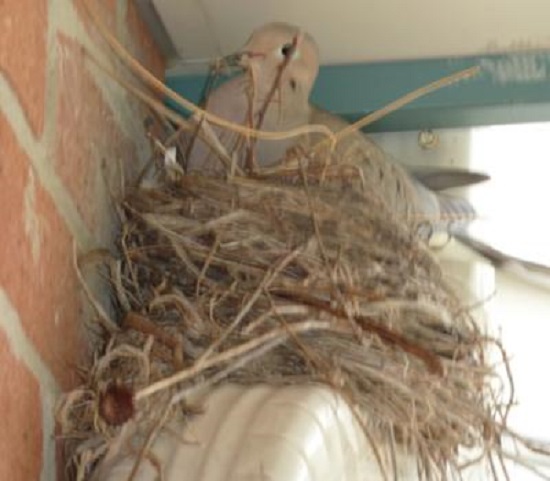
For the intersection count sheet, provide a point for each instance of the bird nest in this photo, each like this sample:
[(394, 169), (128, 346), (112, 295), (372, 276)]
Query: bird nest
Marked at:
[(256, 281), (306, 278)]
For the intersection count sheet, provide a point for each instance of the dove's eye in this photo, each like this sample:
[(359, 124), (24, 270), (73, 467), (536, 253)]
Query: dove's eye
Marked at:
[(287, 50)]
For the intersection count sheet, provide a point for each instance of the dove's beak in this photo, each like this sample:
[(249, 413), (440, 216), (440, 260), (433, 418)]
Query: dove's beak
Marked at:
[(241, 59)]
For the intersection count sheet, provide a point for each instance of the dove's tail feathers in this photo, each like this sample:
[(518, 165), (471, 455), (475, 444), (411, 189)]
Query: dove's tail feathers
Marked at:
[(437, 179), (455, 212), (494, 256), (529, 270)]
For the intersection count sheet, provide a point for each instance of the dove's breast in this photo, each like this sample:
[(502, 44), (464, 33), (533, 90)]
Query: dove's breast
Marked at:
[(232, 101)]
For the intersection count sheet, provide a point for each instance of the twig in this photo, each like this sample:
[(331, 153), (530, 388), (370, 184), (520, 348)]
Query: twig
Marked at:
[(224, 373), (407, 99), (292, 163), (133, 320), (386, 334), (269, 277), (267, 101), (185, 305), (280, 334), (151, 436), (103, 317), (206, 265), (206, 133)]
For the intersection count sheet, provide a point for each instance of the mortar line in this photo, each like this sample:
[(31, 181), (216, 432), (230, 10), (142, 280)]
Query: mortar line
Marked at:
[(24, 350), (69, 24), (38, 158)]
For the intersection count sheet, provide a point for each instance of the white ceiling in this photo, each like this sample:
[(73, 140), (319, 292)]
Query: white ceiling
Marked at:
[(361, 30)]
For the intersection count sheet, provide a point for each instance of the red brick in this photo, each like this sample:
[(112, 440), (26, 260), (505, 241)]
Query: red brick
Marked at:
[(87, 137), (21, 440), (148, 51), (40, 281), (23, 56)]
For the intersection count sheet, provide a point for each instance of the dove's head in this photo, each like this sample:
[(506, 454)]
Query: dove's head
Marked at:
[(277, 46)]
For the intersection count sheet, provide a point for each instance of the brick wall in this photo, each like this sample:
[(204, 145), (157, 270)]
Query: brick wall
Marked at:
[(66, 133)]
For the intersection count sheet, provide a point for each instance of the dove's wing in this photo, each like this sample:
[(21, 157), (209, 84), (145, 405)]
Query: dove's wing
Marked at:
[(442, 178), (228, 101), (231, 101), (403, 195)]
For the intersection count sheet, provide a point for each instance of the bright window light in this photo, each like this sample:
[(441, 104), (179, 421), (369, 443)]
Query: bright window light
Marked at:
[(515, 205), (514, 209)]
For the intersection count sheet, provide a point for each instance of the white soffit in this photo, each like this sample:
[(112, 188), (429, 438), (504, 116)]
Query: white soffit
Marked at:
[(351, 31)]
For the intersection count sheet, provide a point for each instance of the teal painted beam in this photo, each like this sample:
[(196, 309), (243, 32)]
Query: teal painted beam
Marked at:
[(510, 88)]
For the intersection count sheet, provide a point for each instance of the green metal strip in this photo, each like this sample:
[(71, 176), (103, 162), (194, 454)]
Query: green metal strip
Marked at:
[(510, 88)]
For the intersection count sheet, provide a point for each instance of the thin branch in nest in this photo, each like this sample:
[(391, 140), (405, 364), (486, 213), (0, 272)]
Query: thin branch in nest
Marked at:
[(102, 370), (279, 311), (527, 465), (205, 94), (407, 99), (184, 305), (137, 322), (224, 374), (206, 264), (276, 336), (182, 255), (277, 80), (206, 132), (314, 220), (187, 153), (151, 436), (115, 267), (104, 319), (127, 258), (250, 161), (269, 277), (509, 376), (276, 86), (312, 358), (368, 435), (331, 142), (336, 291), (432, 361)]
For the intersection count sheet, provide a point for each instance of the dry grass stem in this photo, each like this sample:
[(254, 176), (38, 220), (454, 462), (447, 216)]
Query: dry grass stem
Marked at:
[(142, 73)]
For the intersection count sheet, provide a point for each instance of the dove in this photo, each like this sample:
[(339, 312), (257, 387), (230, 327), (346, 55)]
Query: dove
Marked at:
[(273, 94), (264, 52)]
